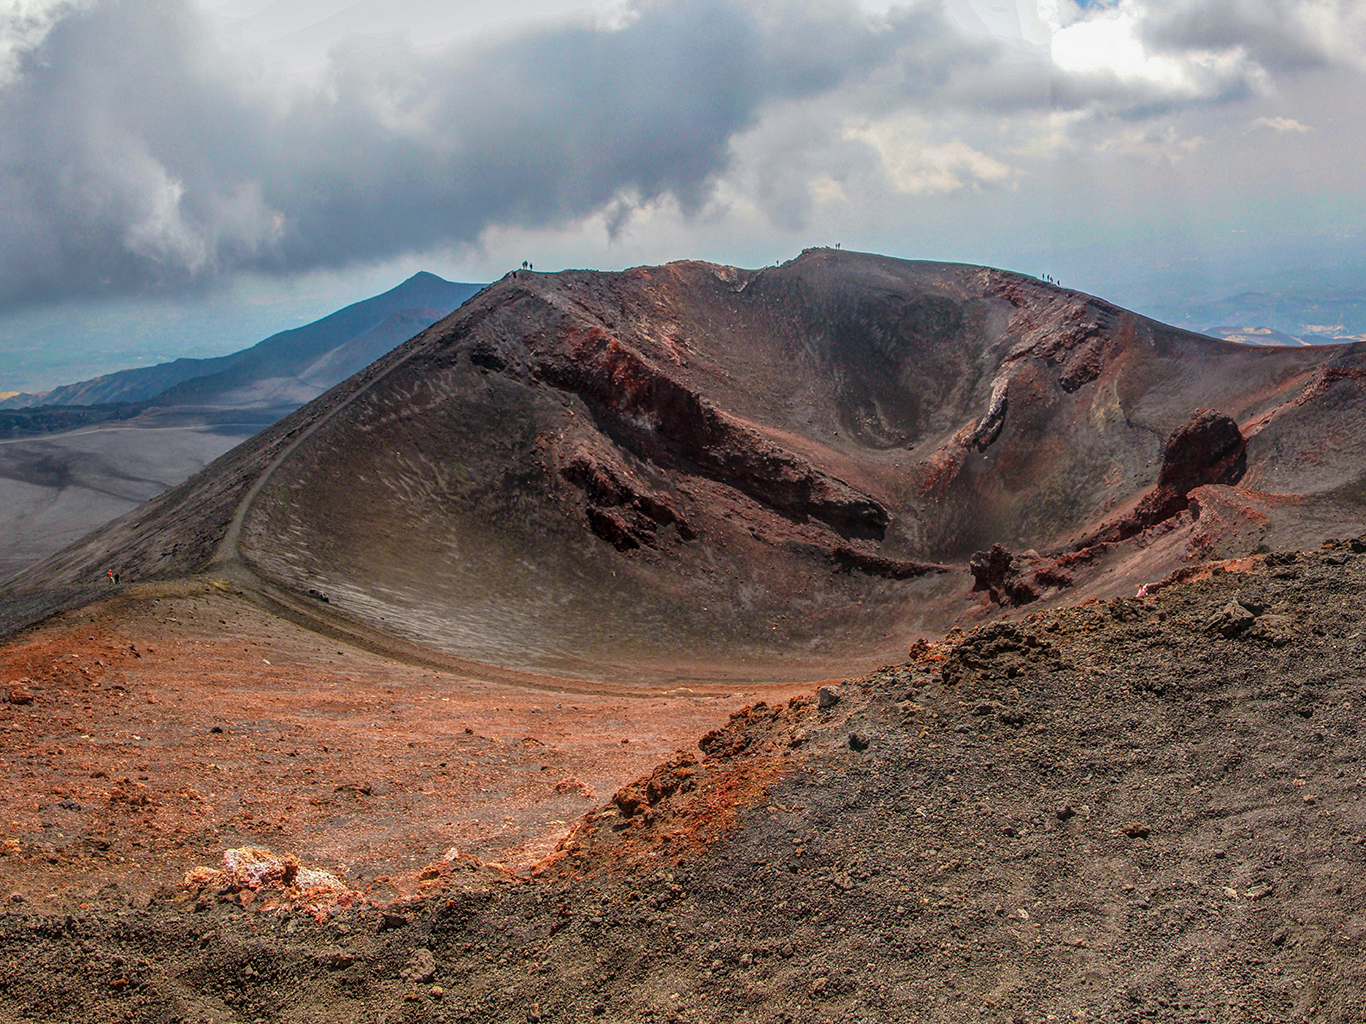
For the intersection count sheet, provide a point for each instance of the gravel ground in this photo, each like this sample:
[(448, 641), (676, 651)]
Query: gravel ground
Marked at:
[(1143, 809), (143, 735)]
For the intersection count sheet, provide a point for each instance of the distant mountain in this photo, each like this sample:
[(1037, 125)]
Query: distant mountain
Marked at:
[(49, 419), (135, 385), (1315, 317), (416, 303), (85, 453), (1256, 336), (282, 381), (364, 349)]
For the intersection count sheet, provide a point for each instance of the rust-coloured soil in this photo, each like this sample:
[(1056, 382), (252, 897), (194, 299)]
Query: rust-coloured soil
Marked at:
[(116, 772)]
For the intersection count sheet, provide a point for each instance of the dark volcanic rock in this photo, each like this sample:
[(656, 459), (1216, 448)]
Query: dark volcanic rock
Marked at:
[(620, 509), (991, 569), (1231, 620), (1018, 579), (879, 565), (1209, 449)]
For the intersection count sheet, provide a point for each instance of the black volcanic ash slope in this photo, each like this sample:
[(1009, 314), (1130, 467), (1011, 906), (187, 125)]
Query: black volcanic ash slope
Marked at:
[(1140, 810), (590, 473)]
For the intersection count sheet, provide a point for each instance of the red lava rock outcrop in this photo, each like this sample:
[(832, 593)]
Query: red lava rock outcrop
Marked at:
[(1209, 449), (619, 509), (688, 803), (669, 778), (653, 412)]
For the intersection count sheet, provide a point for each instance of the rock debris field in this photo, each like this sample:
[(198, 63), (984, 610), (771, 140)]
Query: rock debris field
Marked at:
[(1138, 809)]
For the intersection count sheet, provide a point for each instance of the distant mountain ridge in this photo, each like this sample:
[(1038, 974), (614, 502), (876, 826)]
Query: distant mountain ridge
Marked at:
[(83, 454), (1265, 336), (417, 303), (1313, 316)]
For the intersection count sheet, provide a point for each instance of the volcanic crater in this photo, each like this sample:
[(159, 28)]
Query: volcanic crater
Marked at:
[(848, 639), (700, 472)]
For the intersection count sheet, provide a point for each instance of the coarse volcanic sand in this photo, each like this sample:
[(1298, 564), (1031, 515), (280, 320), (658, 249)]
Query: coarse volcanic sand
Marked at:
[(170, 723), (1144, 809)]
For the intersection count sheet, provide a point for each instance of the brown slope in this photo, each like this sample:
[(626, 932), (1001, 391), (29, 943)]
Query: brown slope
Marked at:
[(666, 470)]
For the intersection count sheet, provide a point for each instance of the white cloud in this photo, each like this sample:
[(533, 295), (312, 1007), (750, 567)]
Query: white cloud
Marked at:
[(1158, 142), (138, 151), (24, 24), (1279, 124), (1108, 58), (1047, 135), (1279, 35), (913, 166), (1139, 57), (825, 189)]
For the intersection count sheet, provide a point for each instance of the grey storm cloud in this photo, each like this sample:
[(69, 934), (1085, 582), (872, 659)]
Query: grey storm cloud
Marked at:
[(1280, 35), (137, 155)]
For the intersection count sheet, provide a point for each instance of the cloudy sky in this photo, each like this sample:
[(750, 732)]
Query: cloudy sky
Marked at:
[(184, 176)]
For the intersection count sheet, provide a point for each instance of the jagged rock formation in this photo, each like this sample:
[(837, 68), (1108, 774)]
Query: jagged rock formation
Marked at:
[(1022, 579), (1208, 449)]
